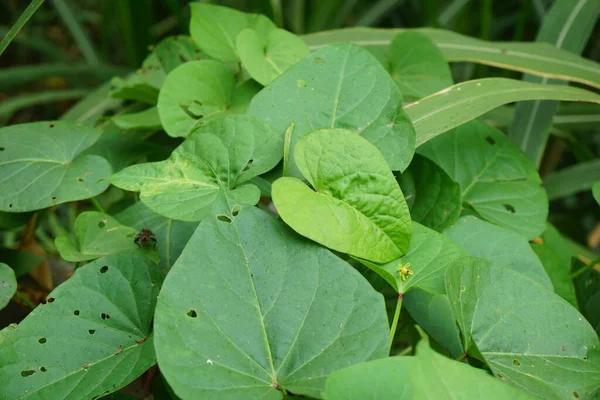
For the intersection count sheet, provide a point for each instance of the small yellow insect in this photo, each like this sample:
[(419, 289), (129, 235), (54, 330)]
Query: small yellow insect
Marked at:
[(403, 271)]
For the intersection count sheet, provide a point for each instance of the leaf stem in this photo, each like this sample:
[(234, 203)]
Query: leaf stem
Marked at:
[(396, 317), (97, 204), (585, 268), (286, 147), (25, 300)]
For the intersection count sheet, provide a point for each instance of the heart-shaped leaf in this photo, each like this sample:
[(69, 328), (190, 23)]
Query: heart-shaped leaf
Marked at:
[(340, 86), (171, 235), (417, 65), (385, 379), (433, 197), (358, 207), (524, 332), (215, 28), (41, 165), (97, 234), (208, 168), (497, 180), (482, 239), (266, 59), (91, 338), (260, 314), (8, 284)]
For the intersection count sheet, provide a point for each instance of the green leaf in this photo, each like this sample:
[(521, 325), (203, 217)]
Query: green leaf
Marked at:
[(198, 92), (433, 376), (571, 180), (358, 207), (509, 249), (500, 184), (568, 25), (10, 221), (146, 119), (385, 379), (266, 59), (7, 331), (215, 29), (596, 191), (433, 197), (208, 168), (8, 284), (264, 310), (429, 254), (525, 333), (20, 261), (171, 235), (557, 271), (97, 235), (417, 65), (340, 86), (91, 338), (41, 165), (433, 313), (541, 59), (465, 101)]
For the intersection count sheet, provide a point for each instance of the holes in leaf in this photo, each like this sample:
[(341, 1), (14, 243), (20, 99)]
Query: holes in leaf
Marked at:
[(79, 179), (235, 210), (91, 331), (43, 369), (50, 300), (509, 208), (192, 313), (319, 60), (223, 218), (76, 312), (10, 206), (516, 363), (102, 223), (576, 395), (27, 372), (247, 167), (2, 148), (42, 340), (51, 125), (193, 110), (490, 140), (104, 269), (53, 197), (104, 316)]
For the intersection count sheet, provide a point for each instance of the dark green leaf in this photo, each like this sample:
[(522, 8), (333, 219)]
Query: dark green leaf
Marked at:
[(8, 284), (557, 271), (572, 179)]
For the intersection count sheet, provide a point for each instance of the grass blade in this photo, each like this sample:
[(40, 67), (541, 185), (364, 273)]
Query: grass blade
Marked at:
[(29, 11), (14, 104), (80, 37), (377, 12), (572, 180)]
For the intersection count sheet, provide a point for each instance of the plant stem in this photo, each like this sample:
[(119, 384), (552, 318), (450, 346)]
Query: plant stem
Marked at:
[(396, 317), (25, 300), (405, 351), (462, 358), (29, 11), (585, 268), (97, 204)]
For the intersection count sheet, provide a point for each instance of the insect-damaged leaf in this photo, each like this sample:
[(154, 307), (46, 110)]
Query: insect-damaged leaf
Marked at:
[(8, 284), (97, 234), (497, 180), (524, 332), (357, 206), (340, 86), (264, 310), (206, 174), (41, 165), (91, 338)]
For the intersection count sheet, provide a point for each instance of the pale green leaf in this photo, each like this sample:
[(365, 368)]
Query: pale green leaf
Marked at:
[(509, 249), (205, 174), (96, 234), (146, 119), (417, 65), (8, 284), (465, 101), (496, 179), (266, 59), (41, 165), (340, 86), (264, 310), (358, 207), (524, 332), (91, 338)]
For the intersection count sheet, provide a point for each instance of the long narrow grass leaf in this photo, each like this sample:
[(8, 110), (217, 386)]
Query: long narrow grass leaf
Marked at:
[(29, 11)]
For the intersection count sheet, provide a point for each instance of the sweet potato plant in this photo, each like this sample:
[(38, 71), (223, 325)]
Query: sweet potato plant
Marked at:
[(327, 216)]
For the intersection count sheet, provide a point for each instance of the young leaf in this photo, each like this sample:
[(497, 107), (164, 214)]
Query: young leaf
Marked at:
[(433, 376), (500, 183), (340, 86), (264, 310), (97, 235), (509, 249), (208, 168), (147, 119), (8, 284), (466, 101), (215, 28), (41, 165), (557, 271), (91, 338), (266, 59), (429, 254), (358, 207), (171, 235), (524, 332), (417, 65), (433, 197), (385, 379)]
